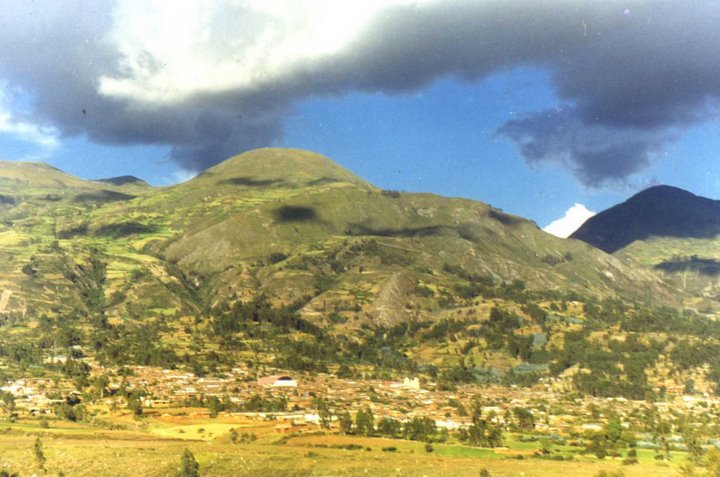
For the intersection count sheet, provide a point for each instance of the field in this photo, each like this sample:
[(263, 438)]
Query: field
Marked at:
[(153, 446)]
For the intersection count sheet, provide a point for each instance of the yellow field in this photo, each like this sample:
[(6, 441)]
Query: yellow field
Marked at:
[(153, 447)]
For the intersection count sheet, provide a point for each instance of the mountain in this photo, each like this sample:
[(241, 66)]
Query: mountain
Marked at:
[(300, 205), (285, 257), (285, 224), (282, 258), (667, 231), (661, 211), (124, 180)]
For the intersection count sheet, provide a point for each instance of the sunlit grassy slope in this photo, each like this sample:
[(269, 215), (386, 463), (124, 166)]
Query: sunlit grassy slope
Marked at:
[(688, 264), (285, 223)]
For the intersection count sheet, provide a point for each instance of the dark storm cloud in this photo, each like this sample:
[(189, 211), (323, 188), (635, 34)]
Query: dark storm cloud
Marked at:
[(595, 152), (56, 53), (631, 75)]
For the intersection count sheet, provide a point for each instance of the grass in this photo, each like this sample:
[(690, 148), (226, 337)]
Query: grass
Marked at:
[(230, 219), (153, 447)]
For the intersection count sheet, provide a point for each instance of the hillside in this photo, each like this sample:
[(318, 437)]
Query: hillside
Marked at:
[(283, 258), (670, 232), (279, 221), (660, 211)]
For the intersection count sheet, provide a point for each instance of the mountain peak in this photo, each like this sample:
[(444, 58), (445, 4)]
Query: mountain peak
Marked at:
[(123, 180), (278, 166), (664, 192), (659, 211)]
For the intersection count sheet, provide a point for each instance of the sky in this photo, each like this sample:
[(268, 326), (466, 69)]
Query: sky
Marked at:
[(549, 109)]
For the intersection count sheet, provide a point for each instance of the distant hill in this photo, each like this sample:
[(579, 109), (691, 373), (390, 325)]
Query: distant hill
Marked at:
[(124, 180), (661, 211)]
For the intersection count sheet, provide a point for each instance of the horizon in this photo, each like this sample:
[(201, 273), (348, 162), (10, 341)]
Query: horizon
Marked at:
[(559, 227)]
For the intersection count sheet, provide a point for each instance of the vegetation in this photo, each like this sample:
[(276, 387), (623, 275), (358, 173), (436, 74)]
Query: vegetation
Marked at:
[(188, 465), (300, 266)]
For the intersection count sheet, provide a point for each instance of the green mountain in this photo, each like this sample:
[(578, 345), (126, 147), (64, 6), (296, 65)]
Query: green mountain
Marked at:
[(282, 223), (281, 257)]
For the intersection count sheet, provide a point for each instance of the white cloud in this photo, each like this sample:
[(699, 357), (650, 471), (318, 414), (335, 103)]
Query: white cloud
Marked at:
[(213, 78), (45, 137), (574, 217), (172, 51), (178, 177)]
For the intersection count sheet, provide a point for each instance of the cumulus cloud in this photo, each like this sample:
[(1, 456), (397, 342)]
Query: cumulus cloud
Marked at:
[(574, 217), (23, 129), (213, 78)]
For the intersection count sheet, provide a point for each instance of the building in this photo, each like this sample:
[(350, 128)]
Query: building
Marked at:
[(278, 381)]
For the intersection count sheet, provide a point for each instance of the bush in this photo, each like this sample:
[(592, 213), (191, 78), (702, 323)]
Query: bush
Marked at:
[(188, 465), (610, 473), (276, 257)]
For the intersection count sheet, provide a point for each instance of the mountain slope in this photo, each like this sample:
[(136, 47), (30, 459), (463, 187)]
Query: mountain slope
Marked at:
[(669, 232), (232, 224), (283, 258), (284, 223), (660, 211)]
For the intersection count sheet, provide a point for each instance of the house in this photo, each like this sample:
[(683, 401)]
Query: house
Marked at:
[(290, 428), (278, 381)]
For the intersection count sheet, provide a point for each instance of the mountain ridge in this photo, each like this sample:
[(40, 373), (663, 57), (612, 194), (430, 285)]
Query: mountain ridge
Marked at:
[(286, 224), (659, 211), (123, 180), (301, 265)]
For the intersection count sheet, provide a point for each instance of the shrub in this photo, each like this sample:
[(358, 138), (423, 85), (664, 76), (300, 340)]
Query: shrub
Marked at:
[(188, 465)]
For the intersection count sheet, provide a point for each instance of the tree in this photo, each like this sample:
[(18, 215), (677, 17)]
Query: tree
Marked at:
[(135, 405), (661, 433), (494, 436), (346, 423), (365, 421), (597, 444), (389, 427), (483, 431), (694, 446), (188, 465), (99, 385), (613, 433), (9, 402), (39, 454), (420, 429), (324, 413), (214, 406), (525, 418)]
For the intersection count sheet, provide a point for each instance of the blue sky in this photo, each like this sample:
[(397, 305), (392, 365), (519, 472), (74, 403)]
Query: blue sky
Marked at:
[(537, 107), (443, 140)]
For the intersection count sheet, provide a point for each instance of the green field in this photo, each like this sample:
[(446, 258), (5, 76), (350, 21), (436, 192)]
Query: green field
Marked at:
[(153, 447)]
